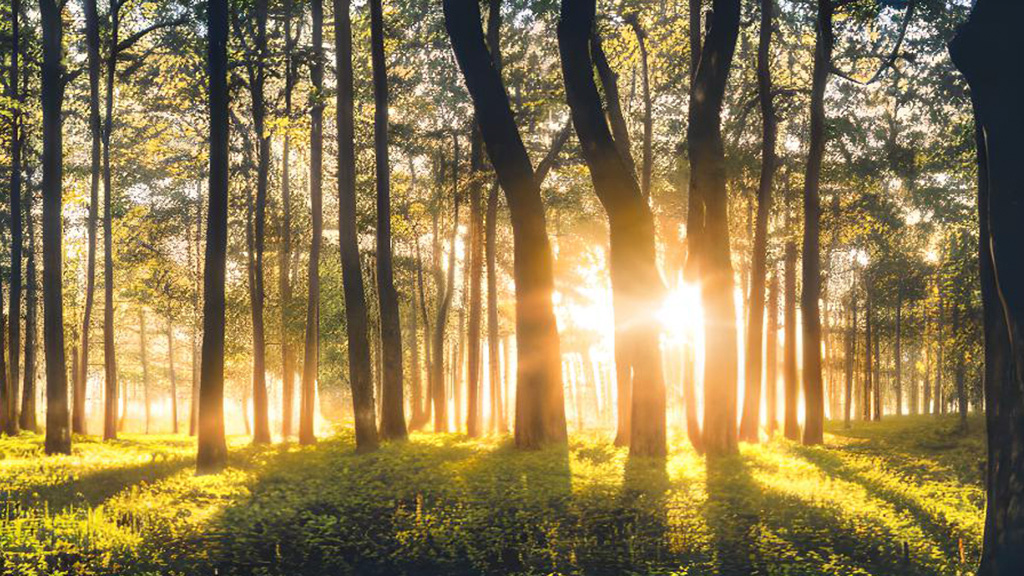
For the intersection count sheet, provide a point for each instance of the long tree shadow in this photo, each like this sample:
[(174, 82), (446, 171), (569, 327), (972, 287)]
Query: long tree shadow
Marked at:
[(732, 515)]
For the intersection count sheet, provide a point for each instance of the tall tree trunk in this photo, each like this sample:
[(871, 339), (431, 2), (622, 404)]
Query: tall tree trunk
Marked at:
[(789, 367), (636, 282), (14, 310), (109, 351), (416, 374), (392, 423), (540, 402), (360, 370), (898, 355), (311, 362), (996, 88), (212, 452), (193, 419), (428, 394), (771, 362), (648, 147), (866, 394), (285, 253), (28, 396), (261, 415), (940, 405), (814, 405), (877, 378), (959, 372), (927, 363), (851, 355), (92, 39), (445, 290), (708, 220), (173, 377), (144, 358), (58, 432), (474, 418), (493, 340), (755, 319)]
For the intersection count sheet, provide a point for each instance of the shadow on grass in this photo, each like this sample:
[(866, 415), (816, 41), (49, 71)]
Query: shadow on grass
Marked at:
[(732, 514)]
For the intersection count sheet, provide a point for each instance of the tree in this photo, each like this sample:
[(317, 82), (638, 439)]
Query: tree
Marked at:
[(357, 325), (708, 230), (307, 406), (755, 319), (540, 408), (392, 422), (28, 395), (285, 252), (474, 416), (212, 452), (14, 304), (490, 246), (58, 430), (636, 283)]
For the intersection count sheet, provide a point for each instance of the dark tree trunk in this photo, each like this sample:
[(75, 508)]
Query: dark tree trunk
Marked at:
[(490, 248), (898, 355), (789, 367), (708, 218), (996, 88), (940, 405), (851, 355), (310, 365), (416, 374), (360, 370), (212, 453), (260, 401), (648, 146), (285, 253), (392, 422), (771, 362), (428, 395), (445, 291), (193, 419), (540, 402), (109, 349), (927, 364), (866, 394), (474, 417), (28, 396), (14, 310), (92, 39), (959, 373), (877, 378), (58, 430), (755, 320), (636, 282), (144, 358), (172, 376), (814, 405)]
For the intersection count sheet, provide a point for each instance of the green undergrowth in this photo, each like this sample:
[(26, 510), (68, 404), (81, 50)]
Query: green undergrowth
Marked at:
[(903, 496)]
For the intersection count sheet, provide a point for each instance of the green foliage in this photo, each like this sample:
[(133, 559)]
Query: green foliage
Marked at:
[(902, 496)]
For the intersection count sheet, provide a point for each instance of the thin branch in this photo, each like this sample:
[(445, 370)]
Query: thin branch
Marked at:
[(556, 147), (889, 60), (131, 40)]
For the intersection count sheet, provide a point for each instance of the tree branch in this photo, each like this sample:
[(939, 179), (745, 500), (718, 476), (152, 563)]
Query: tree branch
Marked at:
[(889, 60), (131, 40), (556, 147)]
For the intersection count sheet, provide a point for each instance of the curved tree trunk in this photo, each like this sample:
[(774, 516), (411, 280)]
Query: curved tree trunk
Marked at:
[(58, 429), (212, 453), (814, 403), (540, 402), (392, 422), (636, 283), (360, 372), (751, 418), (310, 365), (708, 218)]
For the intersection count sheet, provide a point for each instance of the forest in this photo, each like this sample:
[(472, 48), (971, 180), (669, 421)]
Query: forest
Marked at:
[(581, 287)]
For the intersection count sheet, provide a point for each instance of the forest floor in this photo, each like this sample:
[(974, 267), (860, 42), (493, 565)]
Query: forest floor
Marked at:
[(904, 496)]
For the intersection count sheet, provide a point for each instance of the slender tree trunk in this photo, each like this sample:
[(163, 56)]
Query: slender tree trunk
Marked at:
[(310, 365), (851, 354), (172, 376), (493, 340), (959, 373), (28, 396), (474, 419), (540, 401), (109, 351), (357, 324), (416, 374), (14, 309), (212, 453), (940, 405), (193, 424), (927, 364), (285, 253), (789, 367), (898, 355), (144, 358), (636, 282), (708, 219), (428, 394), (392, 423), (814, 406), (58, 430), (877, 378), (866, 394), (772, 351), (755, 319), (445, 290), (648, 147)]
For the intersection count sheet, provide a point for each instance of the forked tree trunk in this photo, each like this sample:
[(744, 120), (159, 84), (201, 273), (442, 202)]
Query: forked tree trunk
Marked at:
[(311, 362), (212, 452), (58, 429), (392, 422), (540, 402), (751, 418), (708, 218), (636, 282), (360, 370), (814, 403)]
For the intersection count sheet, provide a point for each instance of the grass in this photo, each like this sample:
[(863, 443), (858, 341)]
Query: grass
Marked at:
[(903, 496)]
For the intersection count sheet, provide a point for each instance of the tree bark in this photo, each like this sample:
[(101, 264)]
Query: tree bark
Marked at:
[(445, 291), (636, 282), (648, 147), (814, 405), (898, 355), (285, 253), (791, 427), (851, 355), (193, 420), (109, 349), (28, 396), (144, 358), (771, 362), (212, 448), (540, 402), (392, 423), (866, 394), (172, 376), (360, 369), (310, 365), (708, 218), (751, 418), (14, 304), (58, 432), (474, 417)]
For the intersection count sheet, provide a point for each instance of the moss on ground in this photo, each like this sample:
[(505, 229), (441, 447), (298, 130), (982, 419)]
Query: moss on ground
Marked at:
[(903, 496)]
